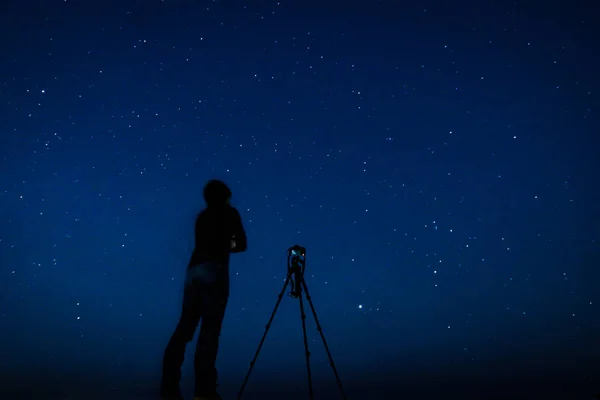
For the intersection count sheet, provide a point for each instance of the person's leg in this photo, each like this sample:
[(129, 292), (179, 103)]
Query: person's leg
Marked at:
[(184, 333), (215, 303)]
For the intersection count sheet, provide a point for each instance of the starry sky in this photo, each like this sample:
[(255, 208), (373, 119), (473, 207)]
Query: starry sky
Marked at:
[(438, 160)]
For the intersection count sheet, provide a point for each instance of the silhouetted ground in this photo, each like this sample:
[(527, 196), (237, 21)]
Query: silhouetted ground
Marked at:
[(18, 388)]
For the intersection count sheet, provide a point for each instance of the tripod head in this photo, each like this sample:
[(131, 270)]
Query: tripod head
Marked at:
[(296, 263)]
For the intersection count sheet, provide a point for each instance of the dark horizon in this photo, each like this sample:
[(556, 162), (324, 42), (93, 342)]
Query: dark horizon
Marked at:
[(544, 378), (407, 387)]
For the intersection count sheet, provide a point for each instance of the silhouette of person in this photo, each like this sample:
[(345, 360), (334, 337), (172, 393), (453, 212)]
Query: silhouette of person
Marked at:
[(218, 232)]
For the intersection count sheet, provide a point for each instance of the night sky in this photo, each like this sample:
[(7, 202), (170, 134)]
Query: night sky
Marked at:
[(438, 160)]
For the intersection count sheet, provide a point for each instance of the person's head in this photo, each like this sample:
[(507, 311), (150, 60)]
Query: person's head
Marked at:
[(216, 193)]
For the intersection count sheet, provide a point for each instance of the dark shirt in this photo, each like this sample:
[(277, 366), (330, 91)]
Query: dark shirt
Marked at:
[(215, 228)]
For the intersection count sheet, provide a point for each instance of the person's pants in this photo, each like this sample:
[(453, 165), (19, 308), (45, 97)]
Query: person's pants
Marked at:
[(199, 302)]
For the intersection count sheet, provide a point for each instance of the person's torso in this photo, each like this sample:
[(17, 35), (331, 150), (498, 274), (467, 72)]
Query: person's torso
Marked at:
[(213, 233)]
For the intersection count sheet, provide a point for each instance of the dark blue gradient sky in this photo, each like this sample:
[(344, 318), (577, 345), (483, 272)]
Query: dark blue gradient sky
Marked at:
[(438, 160)]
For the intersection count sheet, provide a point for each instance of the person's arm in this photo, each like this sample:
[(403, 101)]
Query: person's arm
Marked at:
[(239, 241)]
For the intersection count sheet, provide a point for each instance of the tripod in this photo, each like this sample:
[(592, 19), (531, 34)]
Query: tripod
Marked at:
[(296, 256)]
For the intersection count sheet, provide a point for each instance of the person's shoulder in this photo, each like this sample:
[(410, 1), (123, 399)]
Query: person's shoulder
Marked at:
[(202, 214), (233, 211)]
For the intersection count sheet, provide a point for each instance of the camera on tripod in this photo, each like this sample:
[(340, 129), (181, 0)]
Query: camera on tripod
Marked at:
[(296, 257), (297, 250), (296, 263)]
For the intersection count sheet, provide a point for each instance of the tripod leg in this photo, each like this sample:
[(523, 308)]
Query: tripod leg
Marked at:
[(310, 303), (287, 280), (306, 351)]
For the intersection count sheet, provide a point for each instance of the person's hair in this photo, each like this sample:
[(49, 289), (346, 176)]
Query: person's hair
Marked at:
[(216, 193)]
